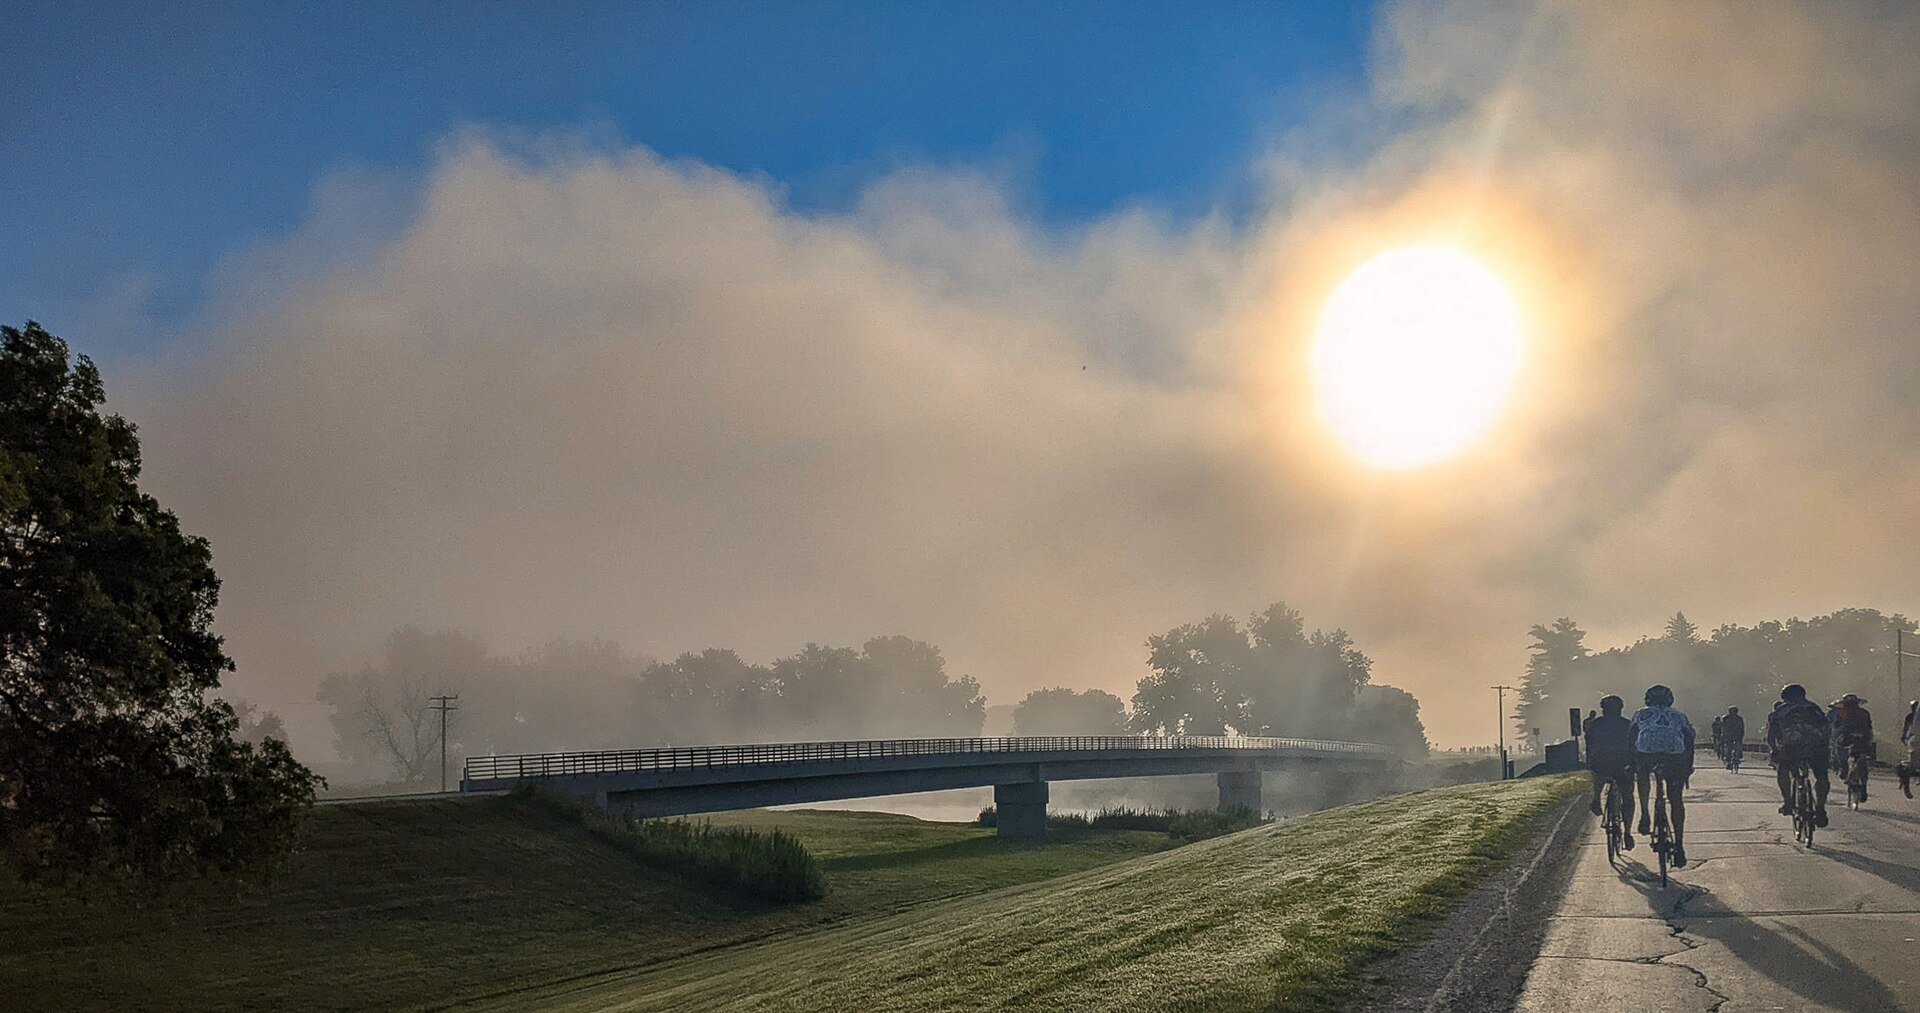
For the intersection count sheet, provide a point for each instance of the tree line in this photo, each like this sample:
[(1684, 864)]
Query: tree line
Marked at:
[(1214, 677), (1848, 651), (597, 695)]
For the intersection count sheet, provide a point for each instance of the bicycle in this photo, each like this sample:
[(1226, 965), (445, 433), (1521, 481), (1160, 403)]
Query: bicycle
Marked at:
[(1735, 752), (1616, 822), (1859, 766), (1803, 818), (1662, 838)]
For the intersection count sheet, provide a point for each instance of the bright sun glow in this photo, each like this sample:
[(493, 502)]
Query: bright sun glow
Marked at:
[(1416, 352)]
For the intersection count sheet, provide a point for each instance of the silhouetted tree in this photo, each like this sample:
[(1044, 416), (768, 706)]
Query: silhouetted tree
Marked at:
[(1846, 651), (1390, 716), (922, 698), (1196, 680), (712, 696), (1067, 712), (1271, 678), (116, 761), (1550, 662), (383, 724)]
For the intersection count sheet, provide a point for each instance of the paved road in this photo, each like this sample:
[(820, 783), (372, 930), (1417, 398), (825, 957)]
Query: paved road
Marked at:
[(1754, 922)]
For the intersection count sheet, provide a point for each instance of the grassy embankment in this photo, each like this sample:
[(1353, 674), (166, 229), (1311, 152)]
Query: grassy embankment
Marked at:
[(499, 902), (430, 903), (1277, 917)]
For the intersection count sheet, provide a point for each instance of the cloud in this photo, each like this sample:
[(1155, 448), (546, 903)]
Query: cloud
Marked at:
[(570, 387)]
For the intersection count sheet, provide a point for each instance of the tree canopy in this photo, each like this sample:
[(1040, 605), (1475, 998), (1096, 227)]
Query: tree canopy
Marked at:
[(1271, 677), (1849, 651), (116, 760), (593, 695), (1068, 712)]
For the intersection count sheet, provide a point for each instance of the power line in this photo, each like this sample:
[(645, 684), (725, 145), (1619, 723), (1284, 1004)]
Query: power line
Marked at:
[(443, 704)]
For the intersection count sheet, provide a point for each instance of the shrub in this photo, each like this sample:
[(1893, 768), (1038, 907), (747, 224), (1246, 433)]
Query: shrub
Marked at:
[(767, 864), (1200, 824), (989, 817), (1128, 818)]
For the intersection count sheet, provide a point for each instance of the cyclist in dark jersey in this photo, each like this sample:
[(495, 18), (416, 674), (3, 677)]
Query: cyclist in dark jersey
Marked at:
[(1733, 731), (1852, 735), (1610, 757), (1797, 732)]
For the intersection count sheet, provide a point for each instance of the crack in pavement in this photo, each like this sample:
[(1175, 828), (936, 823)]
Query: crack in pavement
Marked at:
[(1675, 918)]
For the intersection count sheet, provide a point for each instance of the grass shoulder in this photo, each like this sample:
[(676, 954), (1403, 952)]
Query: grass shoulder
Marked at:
[(1281, 916)]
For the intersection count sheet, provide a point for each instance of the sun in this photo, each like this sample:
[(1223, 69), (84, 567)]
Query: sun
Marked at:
[(1416, 352)]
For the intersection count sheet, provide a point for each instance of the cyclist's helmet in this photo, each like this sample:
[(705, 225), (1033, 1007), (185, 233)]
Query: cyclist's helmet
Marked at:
[(1659, 696), (1611, 704), (1733, 712), (1853, 699), (1793, 692)]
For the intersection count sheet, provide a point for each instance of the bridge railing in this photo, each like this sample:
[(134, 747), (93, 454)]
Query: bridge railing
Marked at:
[(620, 761)]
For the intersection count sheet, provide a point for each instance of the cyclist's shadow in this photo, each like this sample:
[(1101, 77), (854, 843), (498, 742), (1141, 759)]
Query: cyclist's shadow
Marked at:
[(1784, 953)]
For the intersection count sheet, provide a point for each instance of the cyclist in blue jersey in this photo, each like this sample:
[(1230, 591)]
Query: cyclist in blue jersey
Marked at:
[(1663, 738)]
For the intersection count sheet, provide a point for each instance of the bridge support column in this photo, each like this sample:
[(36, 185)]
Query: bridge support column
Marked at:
[(1240, 789), (1021, 809)]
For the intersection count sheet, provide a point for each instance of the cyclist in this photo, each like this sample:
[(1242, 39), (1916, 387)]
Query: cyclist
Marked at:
[(1797, 732), (1852, 735), (1911, 740), (1663, 737), (1610, 757), (1733, 729), (1719, 738)]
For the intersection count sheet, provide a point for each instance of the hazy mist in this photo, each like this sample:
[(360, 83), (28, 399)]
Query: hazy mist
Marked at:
[(556, 386)]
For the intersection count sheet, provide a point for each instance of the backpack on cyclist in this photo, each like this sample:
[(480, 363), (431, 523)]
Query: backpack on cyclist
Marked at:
[(1801, 725)]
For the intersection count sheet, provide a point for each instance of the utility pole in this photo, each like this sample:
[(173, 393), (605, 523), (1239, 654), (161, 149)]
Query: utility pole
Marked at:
[(1900, 655), (1501, 697), (443, 704)]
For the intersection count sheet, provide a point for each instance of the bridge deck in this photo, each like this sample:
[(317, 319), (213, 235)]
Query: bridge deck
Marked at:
[(776, 758)]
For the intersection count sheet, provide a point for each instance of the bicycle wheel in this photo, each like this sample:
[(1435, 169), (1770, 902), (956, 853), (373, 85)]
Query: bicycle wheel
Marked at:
[(1662, 839), (1803, 808), (1613, 826)]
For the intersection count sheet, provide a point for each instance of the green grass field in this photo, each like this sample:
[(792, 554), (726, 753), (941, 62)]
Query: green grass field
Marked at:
[(426, 904), (502, 904), (1278, 917)]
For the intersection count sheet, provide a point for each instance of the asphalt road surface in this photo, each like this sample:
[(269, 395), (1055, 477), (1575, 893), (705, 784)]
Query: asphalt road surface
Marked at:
[(1755, 921)]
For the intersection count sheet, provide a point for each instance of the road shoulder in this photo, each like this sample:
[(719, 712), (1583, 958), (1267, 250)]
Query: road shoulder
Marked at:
[(1477, 957)]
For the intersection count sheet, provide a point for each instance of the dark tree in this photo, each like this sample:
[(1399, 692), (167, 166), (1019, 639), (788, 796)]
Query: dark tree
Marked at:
[(116, 761), (1551, 660), (1066, 712), (384, 722), (1272, 677)]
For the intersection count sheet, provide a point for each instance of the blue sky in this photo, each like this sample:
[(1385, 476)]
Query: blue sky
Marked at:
[(145, 141)]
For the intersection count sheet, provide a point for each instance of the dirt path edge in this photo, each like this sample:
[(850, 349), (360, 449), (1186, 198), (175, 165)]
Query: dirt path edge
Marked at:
[(1478, 956)]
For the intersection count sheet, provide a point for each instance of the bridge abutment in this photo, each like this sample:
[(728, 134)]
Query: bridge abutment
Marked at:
[(1240, 789), (1020, 810)]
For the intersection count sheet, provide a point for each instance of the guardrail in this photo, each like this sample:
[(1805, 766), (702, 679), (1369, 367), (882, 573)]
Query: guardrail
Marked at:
[(622, 761)]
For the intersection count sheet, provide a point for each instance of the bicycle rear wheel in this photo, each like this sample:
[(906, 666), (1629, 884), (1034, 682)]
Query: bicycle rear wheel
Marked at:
[(1662, 835), (1613, 826)]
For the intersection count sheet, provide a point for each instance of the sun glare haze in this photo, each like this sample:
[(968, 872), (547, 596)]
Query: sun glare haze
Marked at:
[(1415, 354), (1017, 506)]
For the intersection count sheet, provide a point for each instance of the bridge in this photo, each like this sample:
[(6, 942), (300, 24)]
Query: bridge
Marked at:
[(684, 780)]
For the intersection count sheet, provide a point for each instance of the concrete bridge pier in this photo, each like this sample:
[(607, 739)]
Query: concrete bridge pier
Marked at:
[(1240, 788), (1021, 809)]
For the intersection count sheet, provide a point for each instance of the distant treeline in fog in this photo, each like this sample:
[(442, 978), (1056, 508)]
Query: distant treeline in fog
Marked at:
[(1849, 651), (1208, 678)]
